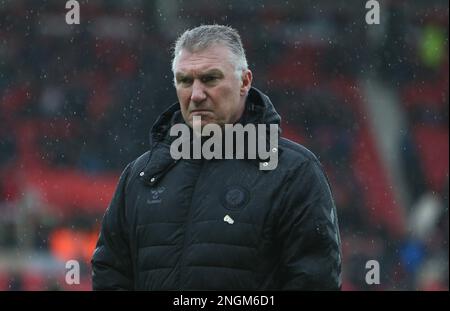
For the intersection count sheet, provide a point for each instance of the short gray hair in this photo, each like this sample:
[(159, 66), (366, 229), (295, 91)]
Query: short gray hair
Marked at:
[(202, 37)]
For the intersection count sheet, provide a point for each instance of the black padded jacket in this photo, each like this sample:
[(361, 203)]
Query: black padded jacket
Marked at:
[(220, 224)]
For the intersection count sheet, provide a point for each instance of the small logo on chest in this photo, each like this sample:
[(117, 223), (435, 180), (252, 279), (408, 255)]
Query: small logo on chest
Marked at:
[(155, 195), (235, 197)]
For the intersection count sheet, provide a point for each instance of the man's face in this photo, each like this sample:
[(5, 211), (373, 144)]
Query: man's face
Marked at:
[(207, 86)]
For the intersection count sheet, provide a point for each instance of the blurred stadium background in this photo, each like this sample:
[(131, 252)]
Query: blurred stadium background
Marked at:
[(77, 102)]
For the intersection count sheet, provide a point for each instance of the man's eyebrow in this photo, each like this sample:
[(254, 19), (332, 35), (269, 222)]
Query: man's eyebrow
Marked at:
[(218, 72), (213, 72)]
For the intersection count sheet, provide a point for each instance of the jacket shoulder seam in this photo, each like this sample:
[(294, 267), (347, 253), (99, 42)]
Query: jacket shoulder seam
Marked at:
[(298, 149)]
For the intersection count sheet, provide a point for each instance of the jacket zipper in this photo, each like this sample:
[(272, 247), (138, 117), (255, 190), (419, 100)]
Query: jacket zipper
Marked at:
[(187, 231)]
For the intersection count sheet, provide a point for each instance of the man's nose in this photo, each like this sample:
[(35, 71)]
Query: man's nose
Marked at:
[(198, 92)]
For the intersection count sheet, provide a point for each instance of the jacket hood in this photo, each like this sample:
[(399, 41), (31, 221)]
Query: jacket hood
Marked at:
[(258, 110)]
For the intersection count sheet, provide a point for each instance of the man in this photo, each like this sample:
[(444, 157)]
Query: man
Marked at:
[(220, 224)]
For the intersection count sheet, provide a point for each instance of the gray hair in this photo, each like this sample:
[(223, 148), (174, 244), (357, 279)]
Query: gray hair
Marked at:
[(202, 37)]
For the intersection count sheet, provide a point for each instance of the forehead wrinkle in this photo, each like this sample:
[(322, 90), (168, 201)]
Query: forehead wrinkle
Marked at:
[(200, 62)]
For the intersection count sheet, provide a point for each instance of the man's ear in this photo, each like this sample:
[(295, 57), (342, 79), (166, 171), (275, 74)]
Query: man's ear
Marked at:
[(246, 83)]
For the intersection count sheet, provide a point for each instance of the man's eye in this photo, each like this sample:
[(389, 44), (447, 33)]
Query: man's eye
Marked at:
[(185, 81), (209, 79)]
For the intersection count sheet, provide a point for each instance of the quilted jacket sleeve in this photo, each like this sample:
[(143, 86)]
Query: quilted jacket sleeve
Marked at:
[(308, 232), (111, 261)]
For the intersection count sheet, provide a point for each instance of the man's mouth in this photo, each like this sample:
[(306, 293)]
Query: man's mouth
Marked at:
[(200, 111)]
